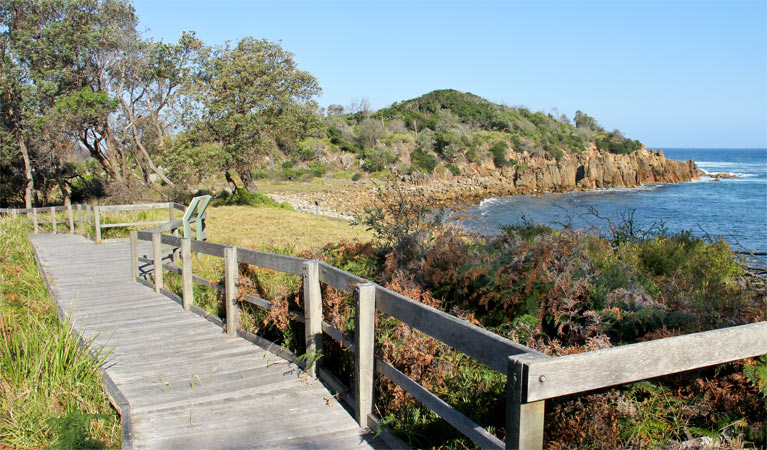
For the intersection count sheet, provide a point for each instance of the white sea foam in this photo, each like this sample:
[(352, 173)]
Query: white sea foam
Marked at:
[(489, 202)]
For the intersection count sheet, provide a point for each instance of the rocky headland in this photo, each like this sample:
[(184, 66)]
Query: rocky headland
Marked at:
[(532, 174)]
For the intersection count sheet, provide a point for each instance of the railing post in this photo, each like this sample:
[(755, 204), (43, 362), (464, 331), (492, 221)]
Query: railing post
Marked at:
[(80, 223), (13, 213), (156, 261), (313, 314), (524, 421), (230, 284), (133, 255), (34, 219), (88, 220), (53, 219), (186, 273), (171, 218), (71, 218), (364, 344), (97, 223)]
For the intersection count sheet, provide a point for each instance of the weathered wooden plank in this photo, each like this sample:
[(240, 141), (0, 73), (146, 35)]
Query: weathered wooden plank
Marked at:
[(460, 422), (132, 224), (484, 346), (602, 368), (71, 219), (364, 357), (97, 222), (168, 239), (148, 338), (230, 291), (339, 279), (280, 263), (186, 274), (208, 248), (136, 207), (157, 262), (312, 313), (52, 212), (524, 421), (338, 336), (133, 256)]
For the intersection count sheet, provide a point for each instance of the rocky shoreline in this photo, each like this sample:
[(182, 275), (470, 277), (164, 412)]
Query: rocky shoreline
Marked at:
[(531, 174)]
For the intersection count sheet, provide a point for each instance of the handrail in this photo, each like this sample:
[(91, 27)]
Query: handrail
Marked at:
[(526, 369), (91, 215), (532, 377)]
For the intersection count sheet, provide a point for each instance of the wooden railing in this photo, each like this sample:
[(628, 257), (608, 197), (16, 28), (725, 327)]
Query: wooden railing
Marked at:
[(532, 377), (90, 216)]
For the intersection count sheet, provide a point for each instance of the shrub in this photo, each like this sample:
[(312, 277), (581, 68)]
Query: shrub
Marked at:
[(423, 161), (498, 150), (375, 159), (260, 174), (246, 198), (356, 176), (317, 169), (455, 170)]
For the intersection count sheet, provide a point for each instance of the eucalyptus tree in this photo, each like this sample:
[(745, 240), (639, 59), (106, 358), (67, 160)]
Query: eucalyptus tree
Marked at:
[(56, 56), (147, 82), (250, 98)]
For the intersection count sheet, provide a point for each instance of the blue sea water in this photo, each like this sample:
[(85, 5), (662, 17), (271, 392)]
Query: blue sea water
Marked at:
[(733, 208)]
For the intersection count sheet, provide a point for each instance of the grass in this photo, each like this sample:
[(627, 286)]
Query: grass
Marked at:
[(273, 229), (51, 392)]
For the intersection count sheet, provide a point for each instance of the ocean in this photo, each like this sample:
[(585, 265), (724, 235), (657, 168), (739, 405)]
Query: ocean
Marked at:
[(733, 208)]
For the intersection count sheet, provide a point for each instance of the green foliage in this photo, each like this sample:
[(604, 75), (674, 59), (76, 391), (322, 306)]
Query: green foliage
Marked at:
[(424, 161), (376, 159), (455, 170), (248, 89), (498, 150), (583, 120), (51, 391), (356, 176), (246, 198), (757, 374), (189, 162), (615, 142)]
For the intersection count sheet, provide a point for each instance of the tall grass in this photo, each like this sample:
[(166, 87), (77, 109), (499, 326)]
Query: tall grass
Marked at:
[(51, 393)]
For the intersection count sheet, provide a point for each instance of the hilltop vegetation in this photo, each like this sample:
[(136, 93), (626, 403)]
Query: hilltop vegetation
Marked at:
[(91, 109), (447, 128)]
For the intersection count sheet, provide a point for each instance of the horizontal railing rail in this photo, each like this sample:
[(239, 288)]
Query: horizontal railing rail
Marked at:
[(527, 370), (532, 377), (91, 216)]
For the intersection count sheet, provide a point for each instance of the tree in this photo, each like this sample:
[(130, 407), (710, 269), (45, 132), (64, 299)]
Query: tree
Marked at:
[(147, 80), (583, 120), (249, 97), (54, 50)]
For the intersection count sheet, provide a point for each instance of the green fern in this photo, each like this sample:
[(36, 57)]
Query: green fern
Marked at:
[(757, 374)]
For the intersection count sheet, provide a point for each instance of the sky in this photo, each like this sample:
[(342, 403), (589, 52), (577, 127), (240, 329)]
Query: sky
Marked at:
[(669, 73)]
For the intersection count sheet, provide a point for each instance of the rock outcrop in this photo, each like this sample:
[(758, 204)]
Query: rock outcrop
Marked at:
[(532, 174)]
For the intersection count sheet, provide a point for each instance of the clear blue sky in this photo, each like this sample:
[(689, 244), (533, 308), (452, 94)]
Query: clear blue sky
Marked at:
[(673, 74)]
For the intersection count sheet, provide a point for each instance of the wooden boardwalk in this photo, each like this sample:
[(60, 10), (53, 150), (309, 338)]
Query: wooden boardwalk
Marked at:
[(177, 379)]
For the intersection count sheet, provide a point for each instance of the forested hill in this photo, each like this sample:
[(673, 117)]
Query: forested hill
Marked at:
[(448, 128), (450, 110)]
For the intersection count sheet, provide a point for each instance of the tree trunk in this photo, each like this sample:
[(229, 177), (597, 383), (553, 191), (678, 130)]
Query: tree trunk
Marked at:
[(245, 178), (63, 187), (29, 187), (148, 159)]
